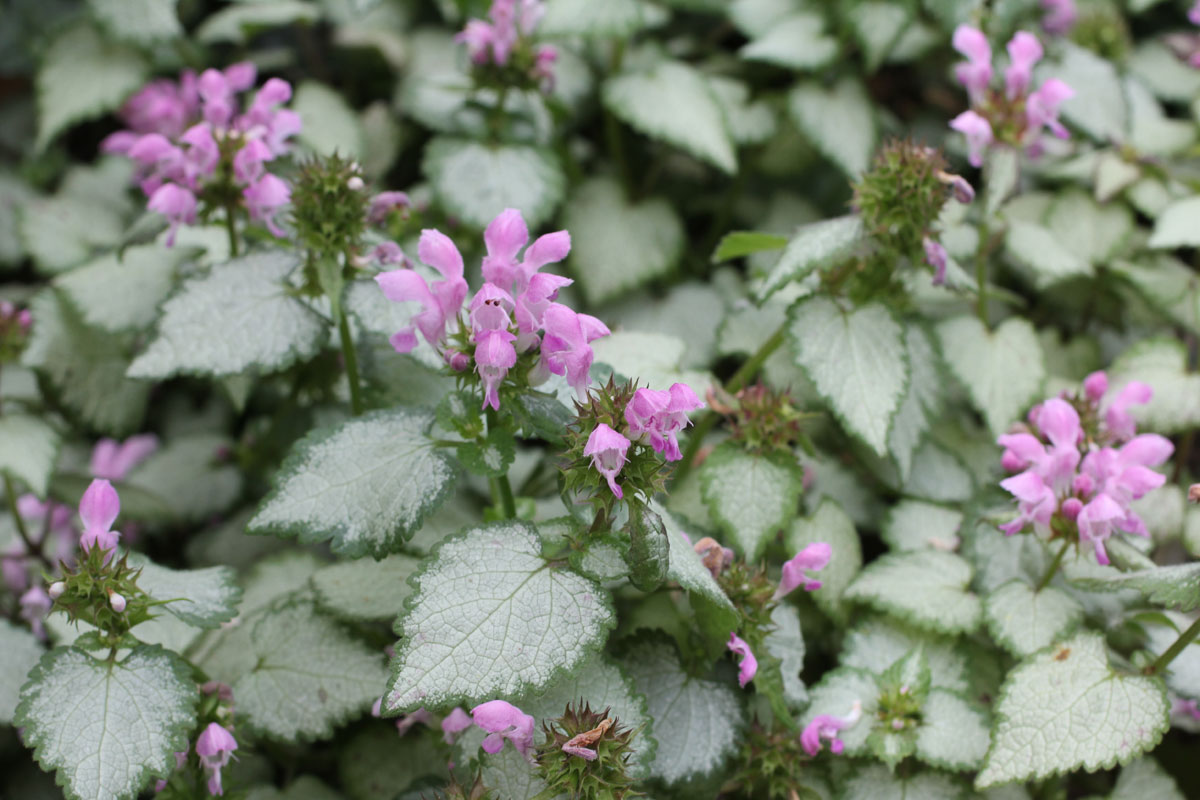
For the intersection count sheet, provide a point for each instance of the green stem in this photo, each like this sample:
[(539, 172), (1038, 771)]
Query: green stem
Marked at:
[(231, 228), (502, 493), (10, 493), (350, 357), (981, 275), (1045, 581), (738, 380), (1185, 638)]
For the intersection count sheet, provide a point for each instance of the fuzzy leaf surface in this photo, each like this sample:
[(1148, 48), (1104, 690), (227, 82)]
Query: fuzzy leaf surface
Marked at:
[(201, 597), (1024, 621), (698, 720), (1002, 370), (750, 496), (365, 588), (840, 122), (1066, 708), (107, 728), (364, 485), (1175, 586), (475, 181), (831, 525), (819, 245), (927, 588), (20, 651), (858, 361), (490, 618), (28, 449), (918, 525), (240, 317)]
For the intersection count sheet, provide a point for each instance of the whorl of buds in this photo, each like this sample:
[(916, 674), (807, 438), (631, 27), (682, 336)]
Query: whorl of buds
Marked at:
[(586, 754)]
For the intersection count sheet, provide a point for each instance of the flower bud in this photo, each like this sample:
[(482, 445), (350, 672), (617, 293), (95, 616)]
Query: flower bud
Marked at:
[(1071, 508), (56, 590), (355, 183), (117, 602)]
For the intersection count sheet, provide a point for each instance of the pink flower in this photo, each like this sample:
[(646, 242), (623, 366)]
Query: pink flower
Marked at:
[(203, 153), (748, 665), (813, 557), (532, 303), (406, 722), (1024, 50), (1041, 108), (1194, 13), (502, 721), (657, 417), (1121, 425), (440, 302), (264, 198), (544, 58), (565, 346), (976, 74), (1095, 386), (1060, 16), (389, 253), (504, 237), (455, 723), (825, 726), (477, 36), (175, 203), (214, 746), (113, 461), (98, 508), (494, 357), (608, 451), (1036, 502), (490, 309), (248, 163), (978, 132), (936, 257)]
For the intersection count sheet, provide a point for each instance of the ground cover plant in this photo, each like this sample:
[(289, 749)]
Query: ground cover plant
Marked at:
[(649, 398)]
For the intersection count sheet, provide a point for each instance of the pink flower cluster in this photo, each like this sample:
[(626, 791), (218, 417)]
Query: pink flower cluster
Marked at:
[(1087, 481), (183, 135), (1017, 115), (654, 418), (511, 22), (513, 313)]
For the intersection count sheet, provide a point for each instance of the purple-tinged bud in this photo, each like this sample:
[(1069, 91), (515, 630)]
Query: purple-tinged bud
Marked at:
[(1083, 485), (455, 723), (748, 666), (117, 602), (56, 590), (936, 256), (1071, 508), (1095, 386), (355, 184), (1011, 462)]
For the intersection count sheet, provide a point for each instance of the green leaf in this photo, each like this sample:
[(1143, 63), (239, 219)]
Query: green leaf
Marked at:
[(927, 588), (616, 18), (82, 76), (20, 651), (85, 366), (877, 782), (15, 194), (365, 485), (1145, 778), (685, 568), (653, 359), (509, 622), (1167, 284), (365, 588), (1176, 586), (952, 734), (329, 124), (63, 231), (190, 477), (839, 122), (673, 103), (107, 728), (878, 642), (751, 497), (857, 360), (698, 721), (509, 775), (1162, 363), (1088, 229), (836, 694), (237, 22), (878, 27), (239, 317), (1098, 106), (541, 416), (1097, 717), (1025, 621), (1043, 253), (749, 121), (818, 246), (307, 676), (475, 181), (831, 525), (28, 450), (786, 644), (144, 22), (1176, 225), (743, 243), (797, 42), (601, 684), (122, 293), (1114, 175), (922, 400), (376, 763), (490, 457), (1002, 370), (917, 525), (617, 245), (201, 597)]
